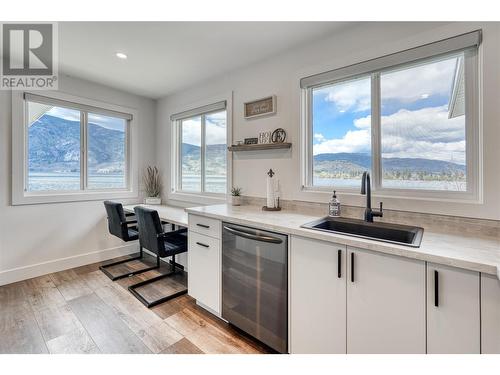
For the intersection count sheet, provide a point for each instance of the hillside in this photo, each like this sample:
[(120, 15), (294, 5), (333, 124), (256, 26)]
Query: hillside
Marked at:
[(54, 145), (335, 165)]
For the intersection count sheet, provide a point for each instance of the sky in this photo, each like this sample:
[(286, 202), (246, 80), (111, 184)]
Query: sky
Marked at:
[(215, 124), (74, 115), (414, 109)]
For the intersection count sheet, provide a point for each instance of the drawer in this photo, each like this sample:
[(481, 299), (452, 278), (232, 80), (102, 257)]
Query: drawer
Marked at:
[(204, 270), (205, 225)]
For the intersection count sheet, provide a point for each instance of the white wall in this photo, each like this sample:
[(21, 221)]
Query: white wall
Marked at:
[(281, 75), (37, 239)]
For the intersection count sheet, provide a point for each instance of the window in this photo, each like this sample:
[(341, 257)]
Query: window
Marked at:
[(54, 141), (422, 129), (201, 160), (409, 118), (71, 148), (341, 133)]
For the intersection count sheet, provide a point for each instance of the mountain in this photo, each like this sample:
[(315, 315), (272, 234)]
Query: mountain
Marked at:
[(215, 159), (54, 145), (335, 164)]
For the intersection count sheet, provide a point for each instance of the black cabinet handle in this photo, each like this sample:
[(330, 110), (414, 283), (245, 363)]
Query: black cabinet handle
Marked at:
[(339, 265), (203, 225), (352, 267), (202, 244), (436, 288)]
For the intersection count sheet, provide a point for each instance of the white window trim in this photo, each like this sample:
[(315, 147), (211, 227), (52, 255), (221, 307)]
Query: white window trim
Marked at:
[(175, 138), (474, 193), (19, 153)]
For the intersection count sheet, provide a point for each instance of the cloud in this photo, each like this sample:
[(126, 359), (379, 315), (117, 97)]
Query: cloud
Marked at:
[(406, 85), (349, 96), (215, 130), (419, 82), (352, 141), (191, 132), (108, 122), (65, 113), (425, 133), (318, 137), (427, 124)]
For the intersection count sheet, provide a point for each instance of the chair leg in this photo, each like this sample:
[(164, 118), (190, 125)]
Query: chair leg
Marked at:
[(103, 268), (149, 304)]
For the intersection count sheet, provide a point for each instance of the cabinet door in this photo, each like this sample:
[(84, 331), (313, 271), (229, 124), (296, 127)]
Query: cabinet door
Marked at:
[(385, 303), (490, 314), (204, 270), (453, 315), (317, 296)]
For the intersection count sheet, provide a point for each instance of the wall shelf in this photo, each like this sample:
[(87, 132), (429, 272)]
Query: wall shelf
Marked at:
[(260, 146)]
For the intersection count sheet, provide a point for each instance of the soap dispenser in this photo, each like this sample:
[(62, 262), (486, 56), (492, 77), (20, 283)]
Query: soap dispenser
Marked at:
[(334, 206)]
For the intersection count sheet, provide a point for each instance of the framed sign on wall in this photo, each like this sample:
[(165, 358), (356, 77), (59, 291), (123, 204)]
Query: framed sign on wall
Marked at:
[(260, 107)]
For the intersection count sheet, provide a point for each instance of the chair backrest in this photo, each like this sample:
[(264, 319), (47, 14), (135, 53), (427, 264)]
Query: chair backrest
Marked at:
[(116, 220), (149, 224)]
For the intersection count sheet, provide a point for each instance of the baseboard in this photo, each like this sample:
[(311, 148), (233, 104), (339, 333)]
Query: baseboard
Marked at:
[(27, 272)]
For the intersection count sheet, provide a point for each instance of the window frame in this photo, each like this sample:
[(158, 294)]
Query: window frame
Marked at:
[(473, 193), (201, 109), (20, 157)]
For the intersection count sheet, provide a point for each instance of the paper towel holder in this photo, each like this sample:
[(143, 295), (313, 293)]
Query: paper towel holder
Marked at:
[(278, 208)]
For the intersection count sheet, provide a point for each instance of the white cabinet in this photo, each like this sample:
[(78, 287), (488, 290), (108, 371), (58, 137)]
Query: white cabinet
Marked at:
[(385, 303), (453, 310), (317, 296), (205, 225), (204, 265), (490, 314)]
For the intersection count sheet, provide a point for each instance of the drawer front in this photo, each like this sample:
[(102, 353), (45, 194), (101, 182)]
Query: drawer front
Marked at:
[(205, 225), (204, 267)]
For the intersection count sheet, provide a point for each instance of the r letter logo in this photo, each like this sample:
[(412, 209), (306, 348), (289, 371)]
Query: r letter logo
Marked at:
[(29, 56)]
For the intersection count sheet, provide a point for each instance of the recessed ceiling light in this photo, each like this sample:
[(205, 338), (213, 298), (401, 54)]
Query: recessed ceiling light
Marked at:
[(121, 55)]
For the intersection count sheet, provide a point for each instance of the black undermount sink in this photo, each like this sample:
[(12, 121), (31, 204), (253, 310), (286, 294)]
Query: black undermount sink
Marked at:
[(386, 232)]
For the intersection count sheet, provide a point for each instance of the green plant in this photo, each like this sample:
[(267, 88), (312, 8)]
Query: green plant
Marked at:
[(152, 182), (236, 191)]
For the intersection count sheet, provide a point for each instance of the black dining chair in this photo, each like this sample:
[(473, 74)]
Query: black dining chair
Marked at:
[(163, 244), (127, 231)]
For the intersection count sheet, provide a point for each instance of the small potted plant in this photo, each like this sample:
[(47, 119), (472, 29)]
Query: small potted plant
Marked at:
[(152, 185), (236, 196)]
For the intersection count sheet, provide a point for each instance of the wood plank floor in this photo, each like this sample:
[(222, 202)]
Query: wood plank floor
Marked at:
[(82, 311)]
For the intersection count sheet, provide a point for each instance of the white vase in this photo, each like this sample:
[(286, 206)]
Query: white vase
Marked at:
[(152, 200), (235, 200)]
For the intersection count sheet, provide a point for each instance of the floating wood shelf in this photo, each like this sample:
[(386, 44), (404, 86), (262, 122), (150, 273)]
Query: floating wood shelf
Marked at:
[(260, 146)]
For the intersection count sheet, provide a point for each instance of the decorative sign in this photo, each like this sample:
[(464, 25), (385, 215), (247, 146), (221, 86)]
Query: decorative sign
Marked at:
[(278, 136), (261, 107), (265, 137), (251, 141)]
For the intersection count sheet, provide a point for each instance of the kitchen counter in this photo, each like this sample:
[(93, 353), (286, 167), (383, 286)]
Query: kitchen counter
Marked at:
[(479, 253)]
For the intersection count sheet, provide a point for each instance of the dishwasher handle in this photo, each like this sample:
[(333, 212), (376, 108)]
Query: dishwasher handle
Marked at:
[(253, 236)]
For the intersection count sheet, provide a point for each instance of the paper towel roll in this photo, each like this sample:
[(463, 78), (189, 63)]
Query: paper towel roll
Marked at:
[(270, 189)]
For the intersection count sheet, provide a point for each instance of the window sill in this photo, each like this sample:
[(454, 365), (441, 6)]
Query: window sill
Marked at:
[(407, 195), (198, 198), (43, 198)]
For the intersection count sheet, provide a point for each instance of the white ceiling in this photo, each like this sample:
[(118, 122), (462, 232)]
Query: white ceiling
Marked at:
[(164, 57)]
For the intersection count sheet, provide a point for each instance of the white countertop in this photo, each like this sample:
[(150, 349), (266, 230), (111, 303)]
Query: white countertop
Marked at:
[(473, 252), (172, 214)]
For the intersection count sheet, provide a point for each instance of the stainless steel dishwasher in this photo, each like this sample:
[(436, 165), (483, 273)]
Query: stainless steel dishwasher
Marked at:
[(255, 283)]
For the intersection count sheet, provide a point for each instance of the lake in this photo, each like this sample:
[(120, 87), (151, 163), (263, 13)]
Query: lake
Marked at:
[(50, 181), (394, 184)]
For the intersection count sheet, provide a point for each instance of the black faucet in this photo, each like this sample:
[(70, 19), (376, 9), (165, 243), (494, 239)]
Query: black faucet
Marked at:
[(367, 190)]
